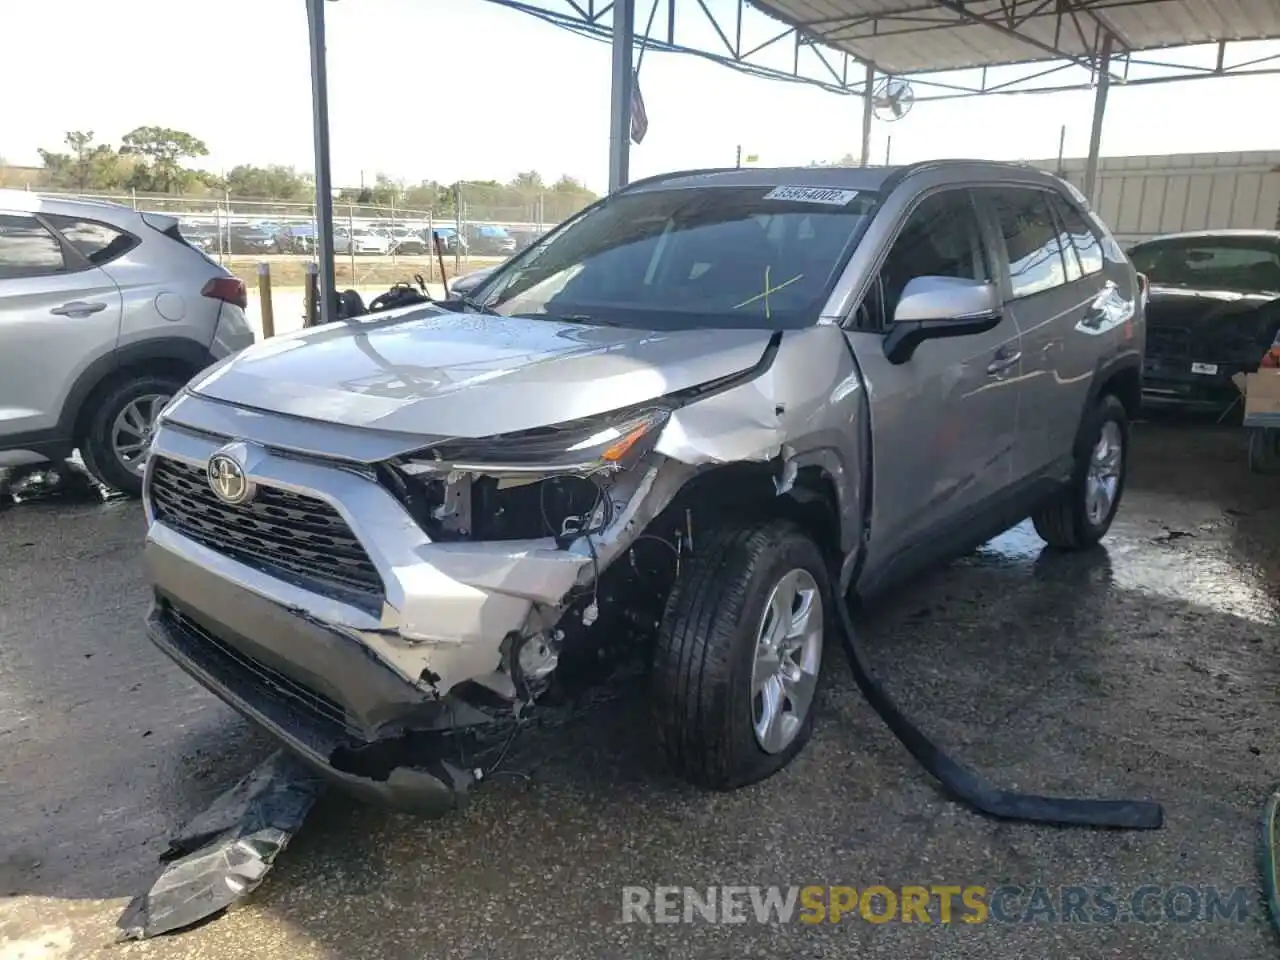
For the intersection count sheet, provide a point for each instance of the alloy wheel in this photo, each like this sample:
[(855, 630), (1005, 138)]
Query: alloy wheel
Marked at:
[(788, 655), (132, 428)]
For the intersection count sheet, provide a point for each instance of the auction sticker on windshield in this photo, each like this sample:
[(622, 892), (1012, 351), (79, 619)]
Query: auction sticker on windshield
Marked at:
[(835, 198)]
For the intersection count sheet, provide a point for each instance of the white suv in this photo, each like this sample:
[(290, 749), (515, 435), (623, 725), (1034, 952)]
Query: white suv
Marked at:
[(105, 313)]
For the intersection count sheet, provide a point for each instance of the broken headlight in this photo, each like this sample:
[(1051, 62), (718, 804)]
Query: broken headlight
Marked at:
[(612, 441)]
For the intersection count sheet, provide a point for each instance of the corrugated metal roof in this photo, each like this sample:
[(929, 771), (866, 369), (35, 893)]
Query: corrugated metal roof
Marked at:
[(923, 36)]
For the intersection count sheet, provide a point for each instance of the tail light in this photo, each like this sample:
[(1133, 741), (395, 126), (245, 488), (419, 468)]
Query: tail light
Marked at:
[(227, 289)]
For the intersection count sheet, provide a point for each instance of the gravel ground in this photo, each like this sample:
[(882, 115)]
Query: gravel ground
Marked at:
[(1145, 670)]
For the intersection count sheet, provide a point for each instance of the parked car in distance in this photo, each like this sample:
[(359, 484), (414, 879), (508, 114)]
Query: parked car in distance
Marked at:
[(525, 238), (296, 238), (201, 236), (361, 241), (681, 450), (407, 242), (1213, 312), (244, 239), (105, 313), (490, 241), (451, 241)]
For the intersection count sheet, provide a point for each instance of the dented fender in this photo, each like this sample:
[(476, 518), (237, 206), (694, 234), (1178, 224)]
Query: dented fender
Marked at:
[(806, 409)]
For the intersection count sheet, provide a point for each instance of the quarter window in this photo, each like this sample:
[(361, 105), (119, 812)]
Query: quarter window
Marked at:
[(1031, 240), (96, 242), (1088, 247), (27, 249)]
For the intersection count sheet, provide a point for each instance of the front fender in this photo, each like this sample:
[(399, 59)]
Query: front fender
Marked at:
[(807, 409)]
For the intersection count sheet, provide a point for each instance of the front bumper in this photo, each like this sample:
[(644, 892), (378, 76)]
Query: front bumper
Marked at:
[(444, 609), (1174, 384), (305, 720)]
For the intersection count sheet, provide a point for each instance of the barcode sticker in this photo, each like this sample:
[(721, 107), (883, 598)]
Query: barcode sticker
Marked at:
[(825, 195)]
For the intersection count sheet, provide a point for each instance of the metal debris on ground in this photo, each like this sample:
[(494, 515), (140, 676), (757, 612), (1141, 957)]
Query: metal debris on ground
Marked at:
[(65, 479), (226, 851)]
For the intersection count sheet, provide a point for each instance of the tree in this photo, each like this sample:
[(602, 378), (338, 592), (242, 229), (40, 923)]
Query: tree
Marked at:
[(529, 182), (162, 150), (88, 166), (272, 182)]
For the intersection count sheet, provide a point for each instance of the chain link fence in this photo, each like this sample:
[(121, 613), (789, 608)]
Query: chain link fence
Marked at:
[(375, 244)]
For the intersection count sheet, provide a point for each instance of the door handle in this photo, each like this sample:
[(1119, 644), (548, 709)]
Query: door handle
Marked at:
[(78, 308), (1003, 361)]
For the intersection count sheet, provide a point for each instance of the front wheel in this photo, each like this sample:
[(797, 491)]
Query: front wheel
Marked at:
[(739, 654), (118, 434), (1081, 513)]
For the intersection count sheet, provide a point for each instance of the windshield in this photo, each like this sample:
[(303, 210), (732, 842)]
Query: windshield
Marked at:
[(744, 257), (1241, 264)]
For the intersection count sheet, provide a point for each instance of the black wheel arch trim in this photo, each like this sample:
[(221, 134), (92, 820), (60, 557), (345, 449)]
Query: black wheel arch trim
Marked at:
[(1104, 373)]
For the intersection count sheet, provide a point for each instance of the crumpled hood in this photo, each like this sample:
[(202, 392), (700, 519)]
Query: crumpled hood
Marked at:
[(435, 373)]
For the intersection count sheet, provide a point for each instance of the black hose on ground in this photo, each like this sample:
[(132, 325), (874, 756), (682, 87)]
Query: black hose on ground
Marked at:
[(966, 786)]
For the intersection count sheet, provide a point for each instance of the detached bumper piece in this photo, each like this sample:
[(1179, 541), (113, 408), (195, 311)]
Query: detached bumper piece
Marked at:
[(225, 852)]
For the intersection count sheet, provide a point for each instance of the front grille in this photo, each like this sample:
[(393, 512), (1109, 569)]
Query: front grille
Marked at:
[(296, 538), (320, 709), (1167, 342)]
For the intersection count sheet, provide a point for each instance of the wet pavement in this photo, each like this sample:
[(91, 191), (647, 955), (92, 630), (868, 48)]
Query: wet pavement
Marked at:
[(1146, 669)]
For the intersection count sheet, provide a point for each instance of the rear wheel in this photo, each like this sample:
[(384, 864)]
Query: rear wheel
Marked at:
[(1081, 513), (114, 447), (739, 654)]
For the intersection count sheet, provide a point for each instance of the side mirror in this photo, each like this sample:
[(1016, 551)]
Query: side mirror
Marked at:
[(931, 308)]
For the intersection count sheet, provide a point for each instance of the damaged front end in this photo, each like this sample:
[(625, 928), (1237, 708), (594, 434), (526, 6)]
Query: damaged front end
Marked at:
[(392, 619)]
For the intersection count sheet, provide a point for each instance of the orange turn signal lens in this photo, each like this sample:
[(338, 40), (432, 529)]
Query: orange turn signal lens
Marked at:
[(620, 448)]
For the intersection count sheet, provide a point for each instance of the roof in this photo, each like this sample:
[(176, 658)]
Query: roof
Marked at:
[(849, 178), (25, 201), (927, 36)]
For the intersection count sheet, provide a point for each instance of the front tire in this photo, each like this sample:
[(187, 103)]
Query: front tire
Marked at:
[(119, 430), (1081, 513), (739, 654)]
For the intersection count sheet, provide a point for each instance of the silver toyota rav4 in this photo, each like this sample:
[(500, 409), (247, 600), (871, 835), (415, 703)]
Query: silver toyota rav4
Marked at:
[(678, 429)]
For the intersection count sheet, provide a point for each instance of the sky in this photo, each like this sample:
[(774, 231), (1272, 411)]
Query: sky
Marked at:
[(465, 89)]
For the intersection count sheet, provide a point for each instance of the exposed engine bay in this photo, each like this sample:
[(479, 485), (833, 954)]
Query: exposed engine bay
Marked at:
[(600, 623)]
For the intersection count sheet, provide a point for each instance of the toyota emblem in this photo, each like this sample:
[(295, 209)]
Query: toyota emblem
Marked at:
[(227, 479)]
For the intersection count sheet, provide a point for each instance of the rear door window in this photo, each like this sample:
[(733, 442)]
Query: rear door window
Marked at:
[(27, 249), (97, 242), (1030, 236)]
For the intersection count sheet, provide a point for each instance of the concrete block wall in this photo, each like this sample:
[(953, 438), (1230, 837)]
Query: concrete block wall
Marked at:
[(1142, 197)]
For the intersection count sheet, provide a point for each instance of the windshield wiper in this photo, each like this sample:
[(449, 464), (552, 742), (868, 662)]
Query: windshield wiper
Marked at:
[(475, 305)]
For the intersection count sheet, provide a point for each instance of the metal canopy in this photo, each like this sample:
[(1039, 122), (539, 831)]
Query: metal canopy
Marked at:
[(903, 37)]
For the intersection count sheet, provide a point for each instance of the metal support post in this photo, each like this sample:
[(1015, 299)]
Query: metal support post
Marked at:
[(324, 181), (867, 107), (624, 12), (1099, 111)]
